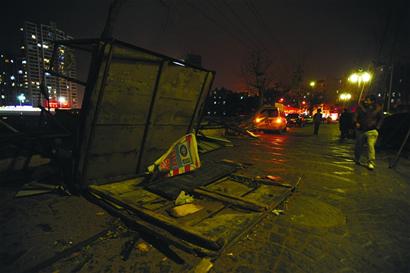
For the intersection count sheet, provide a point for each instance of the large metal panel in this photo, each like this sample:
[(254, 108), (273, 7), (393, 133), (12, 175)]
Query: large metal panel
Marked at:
[(139, 103)]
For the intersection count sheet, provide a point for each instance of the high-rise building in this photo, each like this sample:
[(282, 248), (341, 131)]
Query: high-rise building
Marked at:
[(11, 76), (37, 50)]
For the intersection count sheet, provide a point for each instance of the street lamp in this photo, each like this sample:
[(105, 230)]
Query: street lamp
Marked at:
[(21, 98), (312, 84), (360, 78), (345, 96)]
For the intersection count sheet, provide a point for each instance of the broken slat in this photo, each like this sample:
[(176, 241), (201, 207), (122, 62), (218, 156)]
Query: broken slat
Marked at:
[(151, 229), (245, 179), (231, 199), (169, 224)]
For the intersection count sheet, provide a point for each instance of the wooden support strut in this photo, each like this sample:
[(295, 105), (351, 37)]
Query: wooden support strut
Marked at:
[(231, 199), (147, 228), (168, 224), (241, 178)]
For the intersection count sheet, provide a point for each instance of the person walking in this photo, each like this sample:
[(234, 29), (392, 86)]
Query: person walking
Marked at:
[(368, 119), (317, 119)]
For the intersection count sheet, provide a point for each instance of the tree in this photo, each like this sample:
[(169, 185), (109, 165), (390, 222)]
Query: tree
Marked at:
[(257, 73)]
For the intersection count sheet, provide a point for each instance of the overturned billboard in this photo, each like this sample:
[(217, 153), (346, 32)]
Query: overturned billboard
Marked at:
[(136, 104)]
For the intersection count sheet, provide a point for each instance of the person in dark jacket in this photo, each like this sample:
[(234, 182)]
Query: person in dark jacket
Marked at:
[(317, 119), (345, 123), (368, 119)]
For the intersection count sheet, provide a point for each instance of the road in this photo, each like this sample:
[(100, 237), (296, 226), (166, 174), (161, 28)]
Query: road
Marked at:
[(342, 218)]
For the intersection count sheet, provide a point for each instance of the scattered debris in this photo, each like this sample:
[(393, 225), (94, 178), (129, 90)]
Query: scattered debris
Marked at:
[(203, 266), (128, 247), (184, 210), (271, 180), (36, 188), (183, 198), (278, 212), (251, 134), (143, 247), (273, 177), (231, 162)]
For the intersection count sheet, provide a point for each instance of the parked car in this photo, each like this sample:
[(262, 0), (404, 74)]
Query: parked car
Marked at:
[(308, 119), (270, 118), (295, 120)]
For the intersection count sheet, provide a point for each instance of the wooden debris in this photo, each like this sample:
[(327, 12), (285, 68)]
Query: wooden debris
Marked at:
[(203, 266), (143, 247), (184, 210), (231, 199)]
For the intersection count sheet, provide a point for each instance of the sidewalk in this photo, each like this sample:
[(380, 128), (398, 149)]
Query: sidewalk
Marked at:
[(343, 218)]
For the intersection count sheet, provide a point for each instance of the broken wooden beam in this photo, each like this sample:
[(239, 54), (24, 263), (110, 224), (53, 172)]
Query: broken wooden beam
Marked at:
[(150, 229), (231, 199), (167, 223)]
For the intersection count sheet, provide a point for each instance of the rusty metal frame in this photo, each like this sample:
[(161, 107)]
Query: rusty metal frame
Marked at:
[(99, 55), (99, 59)]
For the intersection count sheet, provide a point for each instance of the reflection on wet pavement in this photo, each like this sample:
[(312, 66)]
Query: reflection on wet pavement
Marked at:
[(342, 218)]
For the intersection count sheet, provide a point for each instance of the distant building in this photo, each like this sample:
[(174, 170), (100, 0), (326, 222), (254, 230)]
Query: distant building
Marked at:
[(11, 76), (37, 49), (222, 102)]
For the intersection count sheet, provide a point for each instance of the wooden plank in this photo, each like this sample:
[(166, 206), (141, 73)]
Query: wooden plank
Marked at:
[(169, 224), (152, 230), (231, 199)]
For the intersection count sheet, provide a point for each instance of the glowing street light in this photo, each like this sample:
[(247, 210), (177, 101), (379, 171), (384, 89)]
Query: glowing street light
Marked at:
[(21, 98), (345, 96), (312, 84), (366, 76), (354, 78), (359, 78)]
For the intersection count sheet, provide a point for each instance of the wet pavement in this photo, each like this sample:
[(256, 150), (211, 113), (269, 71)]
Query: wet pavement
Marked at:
[(342, 218)]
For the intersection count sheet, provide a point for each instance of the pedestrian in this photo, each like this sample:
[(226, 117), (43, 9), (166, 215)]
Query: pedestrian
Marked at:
[(317, 119), (368, 119), (344, 123)]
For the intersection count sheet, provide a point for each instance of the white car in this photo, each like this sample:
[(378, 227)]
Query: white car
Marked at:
[(270, 118)]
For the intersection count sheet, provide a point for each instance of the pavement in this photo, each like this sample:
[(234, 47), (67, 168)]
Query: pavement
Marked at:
[(342, 218)]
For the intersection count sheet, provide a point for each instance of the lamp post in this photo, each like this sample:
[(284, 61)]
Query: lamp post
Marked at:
[(360, 78)]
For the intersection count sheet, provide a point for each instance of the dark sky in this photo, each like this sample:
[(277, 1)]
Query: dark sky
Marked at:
[(328, 37)]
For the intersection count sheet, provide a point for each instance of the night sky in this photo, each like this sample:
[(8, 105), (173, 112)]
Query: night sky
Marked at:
[(328, 38)]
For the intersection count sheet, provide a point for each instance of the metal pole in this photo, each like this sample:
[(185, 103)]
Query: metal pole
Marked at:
[(361, 93), (390, 89), (396, 159)]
